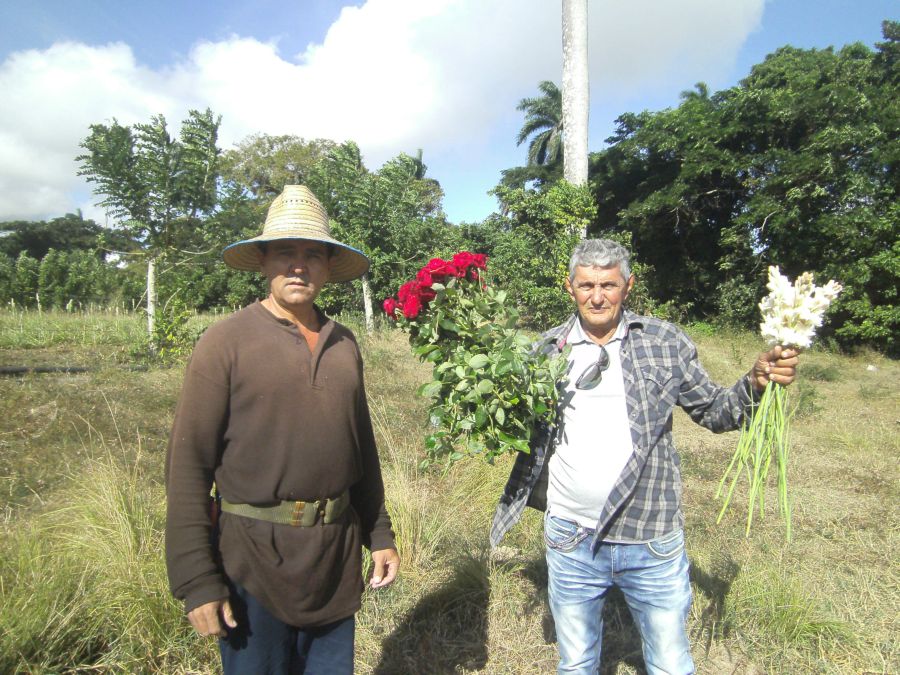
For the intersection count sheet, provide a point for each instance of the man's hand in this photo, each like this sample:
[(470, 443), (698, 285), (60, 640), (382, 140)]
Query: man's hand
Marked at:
[(386, 562), (776, 365), (208, 619)]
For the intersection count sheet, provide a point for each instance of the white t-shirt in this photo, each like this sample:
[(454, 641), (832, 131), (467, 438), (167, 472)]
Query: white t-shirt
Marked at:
[(594, 442)]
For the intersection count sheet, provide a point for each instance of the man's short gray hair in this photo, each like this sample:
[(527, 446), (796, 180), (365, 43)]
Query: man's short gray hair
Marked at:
[(600, 253)]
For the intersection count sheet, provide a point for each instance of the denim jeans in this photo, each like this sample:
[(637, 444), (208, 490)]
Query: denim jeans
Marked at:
[(264, 645), (653, 577)]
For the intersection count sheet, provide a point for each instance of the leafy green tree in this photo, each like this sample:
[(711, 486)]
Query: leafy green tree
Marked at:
[(68, 233), (530, 246), (7, 279), (393, 215), (87, 280), (666, 180), (156, 185), (52, 278), (25, 286), (264, 164), (796, 166)]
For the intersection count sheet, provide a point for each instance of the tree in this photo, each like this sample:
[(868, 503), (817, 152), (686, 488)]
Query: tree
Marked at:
[(264, 164), (52, 279), (796, 166), (393, 215), (68, 233), (7, 279), (25, 283), (530, 245), (575, 92), (157, 186), (544, 123)]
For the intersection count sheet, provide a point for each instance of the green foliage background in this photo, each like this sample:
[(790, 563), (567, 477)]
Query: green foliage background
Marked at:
[(797, 165)]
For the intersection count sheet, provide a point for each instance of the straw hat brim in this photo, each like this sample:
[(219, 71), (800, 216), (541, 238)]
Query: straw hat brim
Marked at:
[(347, 263)]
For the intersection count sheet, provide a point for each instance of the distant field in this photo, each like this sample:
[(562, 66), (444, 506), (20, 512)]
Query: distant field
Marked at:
[(82, 582)]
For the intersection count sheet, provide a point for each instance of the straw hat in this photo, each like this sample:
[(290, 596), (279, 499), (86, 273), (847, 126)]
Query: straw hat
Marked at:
[(297, 214)]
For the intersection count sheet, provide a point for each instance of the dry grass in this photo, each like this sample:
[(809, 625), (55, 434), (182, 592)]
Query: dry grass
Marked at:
[(828, 602)]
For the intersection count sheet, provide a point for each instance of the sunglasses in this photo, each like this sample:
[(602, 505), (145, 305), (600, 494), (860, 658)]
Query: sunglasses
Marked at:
[(593, 374)]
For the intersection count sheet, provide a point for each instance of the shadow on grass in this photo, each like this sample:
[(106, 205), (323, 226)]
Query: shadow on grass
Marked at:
[(447, 630), (621, 640), (715, 585)]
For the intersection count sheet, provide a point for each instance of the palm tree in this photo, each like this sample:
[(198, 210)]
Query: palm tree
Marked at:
[(543, 118), (575, 90), (700, 92)]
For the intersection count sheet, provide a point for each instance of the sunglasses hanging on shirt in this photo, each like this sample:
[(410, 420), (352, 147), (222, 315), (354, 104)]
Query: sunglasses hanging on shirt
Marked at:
[(593, 374)]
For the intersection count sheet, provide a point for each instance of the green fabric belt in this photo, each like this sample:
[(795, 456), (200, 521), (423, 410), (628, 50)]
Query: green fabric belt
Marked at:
[(296, 514)]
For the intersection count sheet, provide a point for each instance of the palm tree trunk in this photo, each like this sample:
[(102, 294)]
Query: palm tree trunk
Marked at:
[(575, 92)]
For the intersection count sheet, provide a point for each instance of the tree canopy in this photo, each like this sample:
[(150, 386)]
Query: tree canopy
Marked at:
[(68, 233), (543, 123), (796, 166), (150, 181)]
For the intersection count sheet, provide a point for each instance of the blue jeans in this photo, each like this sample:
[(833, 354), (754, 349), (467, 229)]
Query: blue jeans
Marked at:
[(264, 645), (653, 577)]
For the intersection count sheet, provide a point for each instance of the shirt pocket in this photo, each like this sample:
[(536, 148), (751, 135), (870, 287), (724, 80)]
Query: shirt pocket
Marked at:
[(662, 387)]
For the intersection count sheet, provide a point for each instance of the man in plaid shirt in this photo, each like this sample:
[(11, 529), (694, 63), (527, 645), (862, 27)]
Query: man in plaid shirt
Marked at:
[(607, 473)]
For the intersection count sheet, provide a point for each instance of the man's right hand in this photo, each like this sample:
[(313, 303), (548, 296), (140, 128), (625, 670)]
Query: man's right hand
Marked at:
[(208, 619)]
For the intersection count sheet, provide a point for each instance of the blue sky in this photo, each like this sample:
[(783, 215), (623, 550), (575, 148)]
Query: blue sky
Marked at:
[(393, 75)]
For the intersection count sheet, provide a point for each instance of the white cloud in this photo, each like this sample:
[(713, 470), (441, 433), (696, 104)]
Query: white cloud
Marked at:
[(394, 75)]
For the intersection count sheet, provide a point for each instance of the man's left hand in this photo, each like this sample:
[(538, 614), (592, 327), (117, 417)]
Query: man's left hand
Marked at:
[(779, 364), (385, 564)]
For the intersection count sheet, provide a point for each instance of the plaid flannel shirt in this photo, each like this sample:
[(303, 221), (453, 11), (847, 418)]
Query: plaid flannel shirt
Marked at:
[(661, 370)]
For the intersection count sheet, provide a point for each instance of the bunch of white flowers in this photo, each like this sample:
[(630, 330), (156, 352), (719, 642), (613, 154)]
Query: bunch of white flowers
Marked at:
[(791, 314)]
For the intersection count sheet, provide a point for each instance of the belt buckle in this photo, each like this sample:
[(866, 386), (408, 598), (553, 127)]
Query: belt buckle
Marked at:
[(297, 513)]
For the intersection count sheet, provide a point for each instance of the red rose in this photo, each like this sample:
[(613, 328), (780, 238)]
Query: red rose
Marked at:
[(413, 296), (406, 290), (479, 260), (424, 277), (412, 306), (390, 307), (440, 269), (463, 259)]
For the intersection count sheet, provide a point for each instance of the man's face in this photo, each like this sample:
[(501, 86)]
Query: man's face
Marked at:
[(599, 293), (296, 271)]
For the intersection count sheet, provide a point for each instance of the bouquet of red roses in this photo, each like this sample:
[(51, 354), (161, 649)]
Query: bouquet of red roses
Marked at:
[(489, 389)]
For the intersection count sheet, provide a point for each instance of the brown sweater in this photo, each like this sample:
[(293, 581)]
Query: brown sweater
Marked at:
[(268, 421)]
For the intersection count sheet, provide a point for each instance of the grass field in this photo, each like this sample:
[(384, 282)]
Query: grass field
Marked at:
[(82, 580)]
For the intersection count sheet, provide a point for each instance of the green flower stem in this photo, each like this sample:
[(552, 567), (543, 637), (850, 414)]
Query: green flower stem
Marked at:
[(763, 438)]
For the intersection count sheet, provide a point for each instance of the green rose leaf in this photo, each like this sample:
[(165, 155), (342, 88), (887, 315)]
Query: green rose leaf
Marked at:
[(485, 386), (430, 389), (478, 361), (480, 417)]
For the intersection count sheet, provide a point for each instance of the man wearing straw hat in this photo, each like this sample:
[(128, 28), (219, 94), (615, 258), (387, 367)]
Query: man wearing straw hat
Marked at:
[(273, 412)]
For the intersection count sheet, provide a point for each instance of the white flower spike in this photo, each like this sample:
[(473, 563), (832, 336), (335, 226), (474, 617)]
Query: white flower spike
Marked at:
[(791, 314)]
